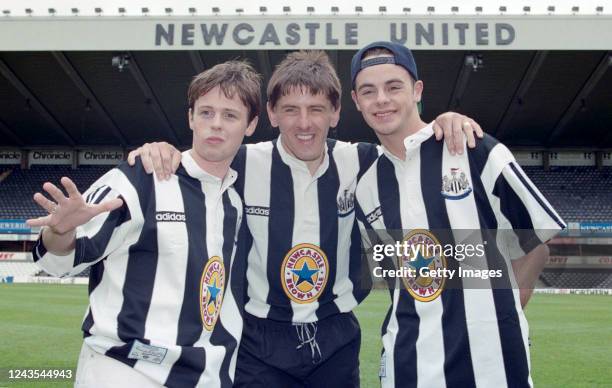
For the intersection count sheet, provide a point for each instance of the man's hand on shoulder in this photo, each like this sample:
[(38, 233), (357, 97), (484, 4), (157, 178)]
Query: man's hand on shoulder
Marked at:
[(160, 157), (452, 126)]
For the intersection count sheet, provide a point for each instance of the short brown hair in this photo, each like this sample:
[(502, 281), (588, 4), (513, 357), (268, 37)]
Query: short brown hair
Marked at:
[(232, 77), (310, 70)]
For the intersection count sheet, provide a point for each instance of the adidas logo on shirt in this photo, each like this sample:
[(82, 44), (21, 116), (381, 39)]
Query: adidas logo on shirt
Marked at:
[(170, 217), (257, 211)]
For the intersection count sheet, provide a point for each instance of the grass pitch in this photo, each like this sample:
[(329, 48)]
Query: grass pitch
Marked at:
[(571, 335)]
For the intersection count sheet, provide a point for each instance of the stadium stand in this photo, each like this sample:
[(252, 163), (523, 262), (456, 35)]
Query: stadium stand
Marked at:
[(578, 278), (578, 193), (17, 189), (18, 269), (84, 274)]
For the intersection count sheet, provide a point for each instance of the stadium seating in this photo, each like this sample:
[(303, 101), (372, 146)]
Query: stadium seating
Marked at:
[(576, 278), (17, 189), (578, 194), (84, 273), (18, 269)]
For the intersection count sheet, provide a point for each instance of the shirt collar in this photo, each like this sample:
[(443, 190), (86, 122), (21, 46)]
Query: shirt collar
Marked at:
[(412, 142), (300, 165), (197, 172)]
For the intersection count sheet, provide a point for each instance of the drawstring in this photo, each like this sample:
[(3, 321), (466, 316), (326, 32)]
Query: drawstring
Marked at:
[(306, 333)]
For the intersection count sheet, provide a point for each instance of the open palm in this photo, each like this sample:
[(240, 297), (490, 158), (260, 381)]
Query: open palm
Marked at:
[(66, 213)]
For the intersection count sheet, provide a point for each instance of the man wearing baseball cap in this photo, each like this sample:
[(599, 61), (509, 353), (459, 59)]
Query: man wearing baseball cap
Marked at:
[(447, 330)]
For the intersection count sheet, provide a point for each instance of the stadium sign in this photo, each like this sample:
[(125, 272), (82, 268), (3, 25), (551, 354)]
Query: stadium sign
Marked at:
[(331, 34), (10, 157), (50, 157), (426, 32), (572, 158), (603, 229), (16, 256), (98, 157), (579, 262), (14, 226)]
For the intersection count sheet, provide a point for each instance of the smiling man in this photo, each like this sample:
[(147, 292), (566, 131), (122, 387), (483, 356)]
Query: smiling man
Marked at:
[(447, 331), (302, 244), (164, 288)]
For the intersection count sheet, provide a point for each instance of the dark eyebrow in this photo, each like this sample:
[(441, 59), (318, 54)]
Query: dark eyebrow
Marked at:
[(285, 106), (365, 86), (394, 80)]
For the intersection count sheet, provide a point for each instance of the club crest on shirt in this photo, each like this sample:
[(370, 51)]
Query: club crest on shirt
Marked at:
[(455, 186), (211, 291), (422, 257), (346, 203), (304, 273)]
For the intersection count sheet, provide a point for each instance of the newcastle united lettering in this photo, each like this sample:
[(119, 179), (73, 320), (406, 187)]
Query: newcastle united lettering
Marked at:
[(282, 34)]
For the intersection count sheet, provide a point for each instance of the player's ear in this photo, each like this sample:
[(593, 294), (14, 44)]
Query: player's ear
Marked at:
[(354, 97), (252, 125), (272, 115), (336, 116), (418, 90), (190, 118)]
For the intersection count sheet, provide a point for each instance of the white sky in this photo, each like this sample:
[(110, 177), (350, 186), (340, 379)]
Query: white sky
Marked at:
[(180, 7)]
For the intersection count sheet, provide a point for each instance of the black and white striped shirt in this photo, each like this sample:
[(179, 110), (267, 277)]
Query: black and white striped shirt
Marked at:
[(462, 336), (304, 245), (164, 290)]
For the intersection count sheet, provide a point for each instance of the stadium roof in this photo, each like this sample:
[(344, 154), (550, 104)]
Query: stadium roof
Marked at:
[(318, 7), (75, 79)]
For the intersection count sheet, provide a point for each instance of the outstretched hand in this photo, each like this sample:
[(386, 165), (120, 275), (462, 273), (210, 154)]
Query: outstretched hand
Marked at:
[(66, 213), (161, 157)]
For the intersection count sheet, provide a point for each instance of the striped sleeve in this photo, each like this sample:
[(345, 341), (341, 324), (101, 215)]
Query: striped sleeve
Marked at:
[(519, 205), (104, 233), (364, 227), (368, 153)]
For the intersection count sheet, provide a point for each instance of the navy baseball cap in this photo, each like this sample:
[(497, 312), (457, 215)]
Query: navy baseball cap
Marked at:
[(402, 56)]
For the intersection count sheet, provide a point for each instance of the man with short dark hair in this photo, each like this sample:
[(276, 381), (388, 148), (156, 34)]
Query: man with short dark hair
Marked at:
[(302, 245), (165, 287)]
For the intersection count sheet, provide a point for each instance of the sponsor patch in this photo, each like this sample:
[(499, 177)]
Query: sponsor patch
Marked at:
[(423, 258), (304, 273), (144, 352), (456, 186), (211, 291)]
